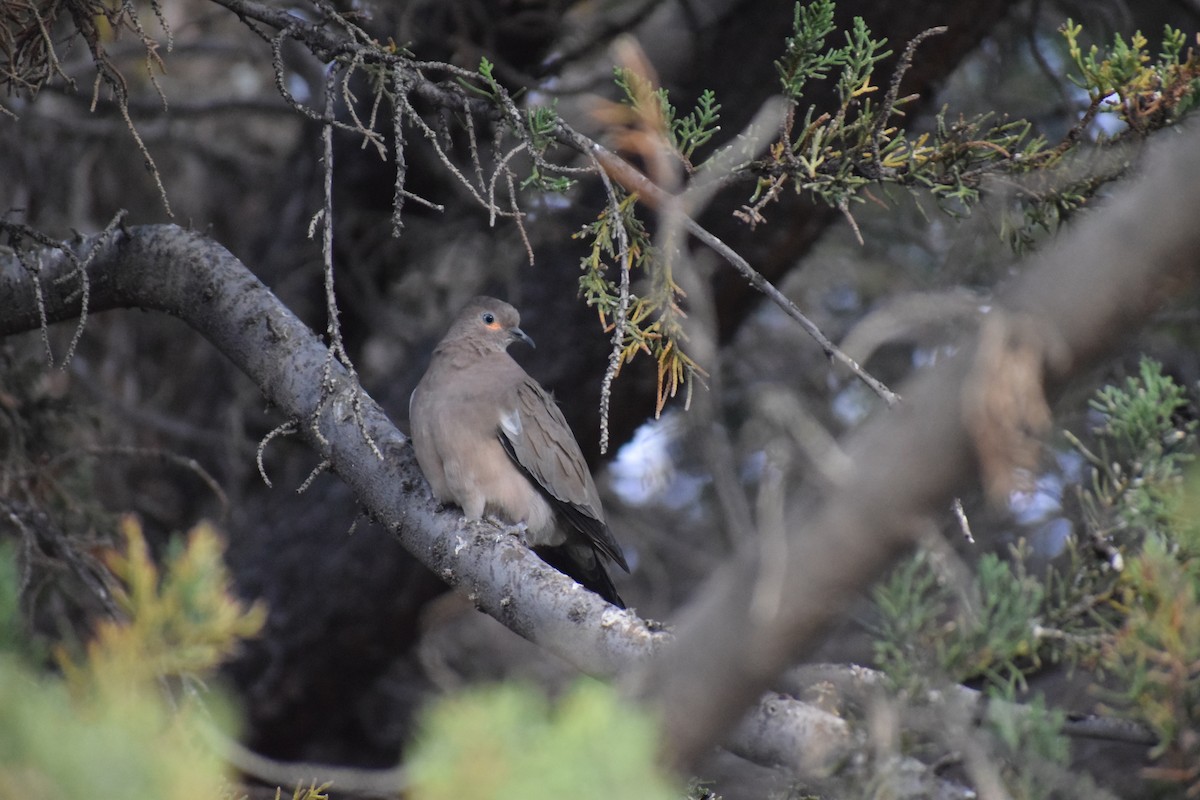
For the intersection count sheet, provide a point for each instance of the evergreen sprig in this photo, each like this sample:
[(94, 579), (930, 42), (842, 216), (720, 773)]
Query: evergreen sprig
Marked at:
[(683, 133), (931, 631), (1124, 597), (805, 55), (654, 321), (1126, 79)]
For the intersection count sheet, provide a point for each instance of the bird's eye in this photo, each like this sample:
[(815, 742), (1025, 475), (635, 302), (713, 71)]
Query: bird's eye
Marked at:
[(488, 318)]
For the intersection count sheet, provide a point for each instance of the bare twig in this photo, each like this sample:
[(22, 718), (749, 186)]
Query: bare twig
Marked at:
[(621, 322), (517, 215), (320, 469), (350, 101), (893, 93), (186, 463), (286, 429), (432, 137), (33, 265), (400, 84), (32, 262), (964, 524)]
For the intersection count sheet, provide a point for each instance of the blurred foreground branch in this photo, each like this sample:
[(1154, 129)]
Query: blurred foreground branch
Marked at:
[(1076, 301)]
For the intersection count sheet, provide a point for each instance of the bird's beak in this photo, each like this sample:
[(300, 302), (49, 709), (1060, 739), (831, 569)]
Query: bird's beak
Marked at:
[(518, 334)]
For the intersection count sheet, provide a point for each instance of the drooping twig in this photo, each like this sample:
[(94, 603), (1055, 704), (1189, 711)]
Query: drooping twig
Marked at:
[(33, 265), (337, 347), (184, 462), (621, 322), (285, 429)]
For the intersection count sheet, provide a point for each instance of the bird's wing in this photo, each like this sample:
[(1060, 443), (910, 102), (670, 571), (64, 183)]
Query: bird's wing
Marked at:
[(536, 436)]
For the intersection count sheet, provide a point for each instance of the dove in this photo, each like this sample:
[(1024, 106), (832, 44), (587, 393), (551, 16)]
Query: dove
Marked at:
[(492, 441)]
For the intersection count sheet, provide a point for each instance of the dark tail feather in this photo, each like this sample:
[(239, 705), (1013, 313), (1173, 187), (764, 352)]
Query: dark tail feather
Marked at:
[(583, 564)]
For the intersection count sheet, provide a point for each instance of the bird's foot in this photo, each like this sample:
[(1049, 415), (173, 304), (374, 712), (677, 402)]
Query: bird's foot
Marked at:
[(518, 529), (488, 520)]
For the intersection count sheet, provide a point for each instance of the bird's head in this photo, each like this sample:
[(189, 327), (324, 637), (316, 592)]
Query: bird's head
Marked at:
[(490, 323)]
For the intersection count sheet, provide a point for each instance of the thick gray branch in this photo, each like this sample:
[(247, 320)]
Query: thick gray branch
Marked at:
[(178, 272)]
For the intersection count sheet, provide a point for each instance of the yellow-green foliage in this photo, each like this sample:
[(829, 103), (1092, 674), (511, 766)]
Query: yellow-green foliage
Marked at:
[(183, 622), (109, 730), (654, 322), (927, 633), (54, 745), (1159, 646), (507, 742), (1156, 653), (1127, 80)]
